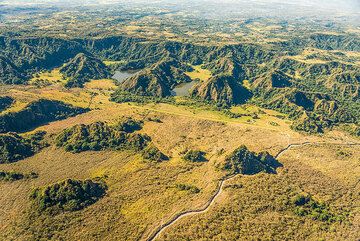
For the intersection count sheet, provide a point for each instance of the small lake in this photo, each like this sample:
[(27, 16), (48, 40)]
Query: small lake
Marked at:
[(183, 89), (121, 76)]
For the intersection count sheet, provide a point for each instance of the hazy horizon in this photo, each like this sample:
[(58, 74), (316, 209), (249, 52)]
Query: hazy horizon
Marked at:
[(352, 5)]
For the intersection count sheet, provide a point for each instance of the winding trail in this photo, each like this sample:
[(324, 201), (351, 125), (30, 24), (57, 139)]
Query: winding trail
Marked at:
[(219, 190)]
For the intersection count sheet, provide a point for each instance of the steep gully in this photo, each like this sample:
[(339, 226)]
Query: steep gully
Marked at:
[(219, 190)]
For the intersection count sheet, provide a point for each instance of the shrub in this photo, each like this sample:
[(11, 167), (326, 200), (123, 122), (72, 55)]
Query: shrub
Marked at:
[(129, 125), (306, 206), (187, 187), (14, 176), (68, 195), (195, 156), (152, 153), (243, 161)]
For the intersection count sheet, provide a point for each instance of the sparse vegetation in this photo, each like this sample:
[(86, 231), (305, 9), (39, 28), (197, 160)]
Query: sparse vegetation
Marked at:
[(195, 156), (14, 176)]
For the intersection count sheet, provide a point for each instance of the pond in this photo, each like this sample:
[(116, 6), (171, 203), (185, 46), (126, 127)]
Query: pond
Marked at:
[(121, 76), (183, 89)]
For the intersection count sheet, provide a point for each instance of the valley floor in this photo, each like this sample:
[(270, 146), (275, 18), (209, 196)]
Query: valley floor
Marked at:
[(142, 196)]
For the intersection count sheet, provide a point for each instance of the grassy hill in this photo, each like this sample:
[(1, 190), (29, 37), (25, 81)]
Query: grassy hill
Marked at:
[(262, 143)]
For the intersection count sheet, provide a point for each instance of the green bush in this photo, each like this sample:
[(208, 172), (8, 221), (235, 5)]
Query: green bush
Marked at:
[(195, 156), (306, 206), (243, 161), (129, 125), (152, 153), (187, 187), (68, 195), (101, 136), (14, 176)]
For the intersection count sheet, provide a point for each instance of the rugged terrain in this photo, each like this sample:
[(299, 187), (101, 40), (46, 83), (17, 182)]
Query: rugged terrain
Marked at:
[(160, 123)]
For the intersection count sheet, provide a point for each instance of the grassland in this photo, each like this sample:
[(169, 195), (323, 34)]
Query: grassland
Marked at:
[(142, 195), (112, 62), (133, 208), (259, 207), (199, 73), (48, 77)]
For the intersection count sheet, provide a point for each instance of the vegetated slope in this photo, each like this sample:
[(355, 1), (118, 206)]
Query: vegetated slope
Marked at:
[(14, 147), (221, 89), (159, 79), (324, 41), (312, 111), (5, 102), (82, 68), (9, 73), (101, 136), (36, 114), (25, 56), (272, 72)]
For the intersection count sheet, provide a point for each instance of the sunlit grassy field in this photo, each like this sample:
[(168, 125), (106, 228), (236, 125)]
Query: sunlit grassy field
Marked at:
[(199, 73), (143, 195), (50, 77)]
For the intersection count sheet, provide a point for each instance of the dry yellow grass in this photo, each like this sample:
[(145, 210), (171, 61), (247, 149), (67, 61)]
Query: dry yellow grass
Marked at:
[(199, 73), (52, 77), (334, 161), (256, 207), (133, 207), (246, 84), (102, 84), (112, 62)]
